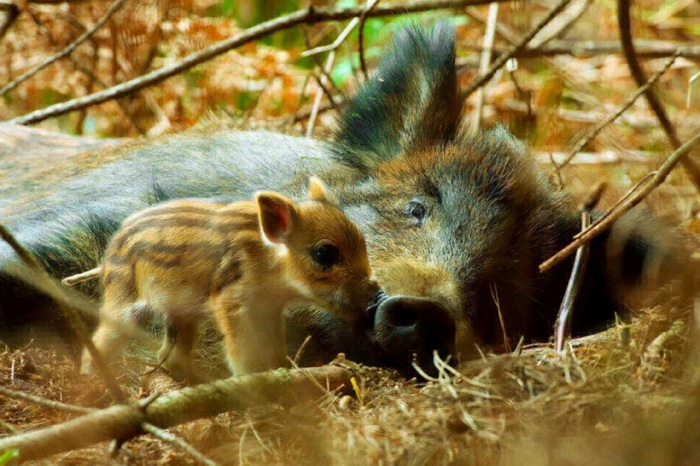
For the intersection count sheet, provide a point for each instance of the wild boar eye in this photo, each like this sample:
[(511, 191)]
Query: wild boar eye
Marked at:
[(326, 255), (416, 210)]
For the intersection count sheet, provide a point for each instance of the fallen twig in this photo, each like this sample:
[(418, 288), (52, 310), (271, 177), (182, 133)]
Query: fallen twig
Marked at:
[(66, 51), (624, 23), (659, 177), (123, 422), (616, 114), (498, 64), (305, 16), (9, 393)]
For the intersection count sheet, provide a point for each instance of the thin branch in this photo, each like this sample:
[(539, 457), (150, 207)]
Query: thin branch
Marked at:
[(589, 49), (177, 407), (636, 121), (305, 16), (300, 116), (41, 279), (326, 69), (82, 68), (624, 23), (66, 51), (319, 94), (562, 327), (556, 28), (336, 43), (489, 36), (645, 179), (300, 100), (560, 66), (658, 178), (11, 13), (17, 395), (325, 77), (616, 114), (524, 95), (498, 64), (593, 196), (300, 351), (174, 440), (361, 36), (557, 172)]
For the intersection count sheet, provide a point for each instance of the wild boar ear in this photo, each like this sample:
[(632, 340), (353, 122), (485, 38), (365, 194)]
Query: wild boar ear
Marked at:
[(412, 99), (318, 190), (277, 216)]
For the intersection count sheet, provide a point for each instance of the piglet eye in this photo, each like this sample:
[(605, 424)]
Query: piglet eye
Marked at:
[(326, 255)]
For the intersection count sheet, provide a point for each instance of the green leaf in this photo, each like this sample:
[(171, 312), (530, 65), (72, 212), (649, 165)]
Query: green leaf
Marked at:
[(8, 456)]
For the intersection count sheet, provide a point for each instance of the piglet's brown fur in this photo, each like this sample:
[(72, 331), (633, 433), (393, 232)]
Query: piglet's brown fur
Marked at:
[(243, 262)]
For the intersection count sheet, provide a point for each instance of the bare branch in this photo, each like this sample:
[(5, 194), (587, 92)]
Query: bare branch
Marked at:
[(66, 51), (588, 49), (306, 16), (562, 327), (361, 36), (563, 22), (336, 43), (177, 407), (489, 36), (17, 395), (635, 121), (615, 115), (624, 23), (646, 178), (319, 94), (594, 230), (498, 64), (83, 69)]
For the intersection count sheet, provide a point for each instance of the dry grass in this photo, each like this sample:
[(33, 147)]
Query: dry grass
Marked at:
[(623, 396)]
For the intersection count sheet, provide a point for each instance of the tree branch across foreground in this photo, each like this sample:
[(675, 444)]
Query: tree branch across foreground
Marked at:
[(654, 180), (305, 16), (123, 422)]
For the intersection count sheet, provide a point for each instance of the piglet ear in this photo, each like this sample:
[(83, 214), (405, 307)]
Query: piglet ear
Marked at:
[(318, 190), (277, 214)]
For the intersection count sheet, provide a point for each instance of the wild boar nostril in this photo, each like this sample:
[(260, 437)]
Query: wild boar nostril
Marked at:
[(405, 318), (408, 325)]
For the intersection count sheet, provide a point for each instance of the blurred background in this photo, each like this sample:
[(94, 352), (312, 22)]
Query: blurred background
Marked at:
[(567, 80)]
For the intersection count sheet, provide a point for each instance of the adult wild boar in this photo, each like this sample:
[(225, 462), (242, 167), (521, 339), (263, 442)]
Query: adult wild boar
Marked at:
[(456, 225)]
